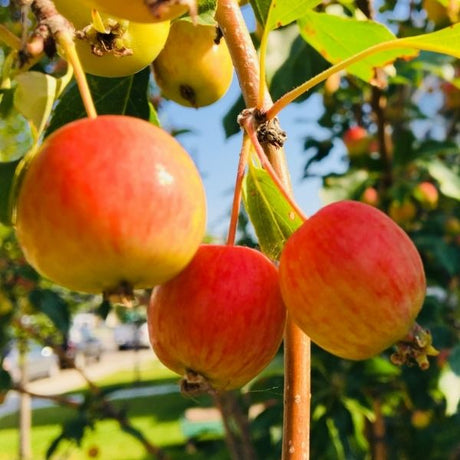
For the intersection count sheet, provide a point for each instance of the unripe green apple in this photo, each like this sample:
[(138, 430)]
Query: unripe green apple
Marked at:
[(194, 68), (357, 141), (427, 194), (222, 318), (143, 10), (124, 47), (108, 203), (352, 280)]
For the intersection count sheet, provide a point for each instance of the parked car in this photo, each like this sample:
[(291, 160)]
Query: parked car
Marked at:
[(41, 362), (83, 346), (131, 335)]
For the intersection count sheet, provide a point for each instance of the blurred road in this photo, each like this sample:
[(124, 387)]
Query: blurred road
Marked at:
[(71, 379)]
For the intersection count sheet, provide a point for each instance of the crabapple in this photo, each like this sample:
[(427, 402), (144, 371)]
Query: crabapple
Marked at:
[(352, 280), (110, 203), (194, 68), (221, 320)]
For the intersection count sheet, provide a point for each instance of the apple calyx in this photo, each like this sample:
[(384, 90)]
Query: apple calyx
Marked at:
[(195, 384), (415, 348), (107, 40)]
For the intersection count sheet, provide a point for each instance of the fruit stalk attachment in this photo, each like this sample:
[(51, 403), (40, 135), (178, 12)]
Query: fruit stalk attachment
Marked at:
[(53, 25)]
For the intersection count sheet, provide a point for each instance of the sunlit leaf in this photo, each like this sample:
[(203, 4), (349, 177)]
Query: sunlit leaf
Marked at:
[(283, 12), (271, 215), (444, 41), (34, 97), (449, 181), (337, 38)]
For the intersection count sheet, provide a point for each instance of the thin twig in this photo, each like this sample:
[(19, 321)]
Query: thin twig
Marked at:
[(244, 154)]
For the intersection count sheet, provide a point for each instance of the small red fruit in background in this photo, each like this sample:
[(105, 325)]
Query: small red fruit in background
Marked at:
[(427, 194), (370, 196), (221, 319), (357, 141), (352, 280), (108, 203)]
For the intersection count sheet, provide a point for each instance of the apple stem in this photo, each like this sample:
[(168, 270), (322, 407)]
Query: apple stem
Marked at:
[(50, 22), (290, 96), (243, 160), (297, 368), (68, 45)]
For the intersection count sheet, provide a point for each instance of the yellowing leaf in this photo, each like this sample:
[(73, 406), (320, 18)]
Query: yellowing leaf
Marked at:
[(34, 97)]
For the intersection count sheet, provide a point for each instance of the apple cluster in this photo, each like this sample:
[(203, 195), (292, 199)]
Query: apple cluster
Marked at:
[(114, 203), (191, 62)]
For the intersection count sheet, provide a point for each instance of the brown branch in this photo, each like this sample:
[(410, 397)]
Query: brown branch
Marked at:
[(58, 399), (236, 425), (296, 430)]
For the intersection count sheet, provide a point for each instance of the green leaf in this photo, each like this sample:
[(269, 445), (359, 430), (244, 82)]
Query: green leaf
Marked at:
[(271, 215), (122, 96), (34, 97), (338, 38), (449, 181), (7, 175), (291, 61), (444, 41), (261, 9), (52, 305), (276, 13)]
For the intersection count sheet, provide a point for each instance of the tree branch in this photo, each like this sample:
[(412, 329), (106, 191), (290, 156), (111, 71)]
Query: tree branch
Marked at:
[(296, 343)]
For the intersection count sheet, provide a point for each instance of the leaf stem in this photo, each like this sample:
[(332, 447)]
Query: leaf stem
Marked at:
[(244, 154), (63, 33), (289, 97)]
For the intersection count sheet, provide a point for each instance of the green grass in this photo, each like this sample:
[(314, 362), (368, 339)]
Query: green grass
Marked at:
[(158, 417)]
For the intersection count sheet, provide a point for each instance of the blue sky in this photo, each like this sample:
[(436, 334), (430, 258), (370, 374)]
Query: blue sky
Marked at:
[(217, 157)]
